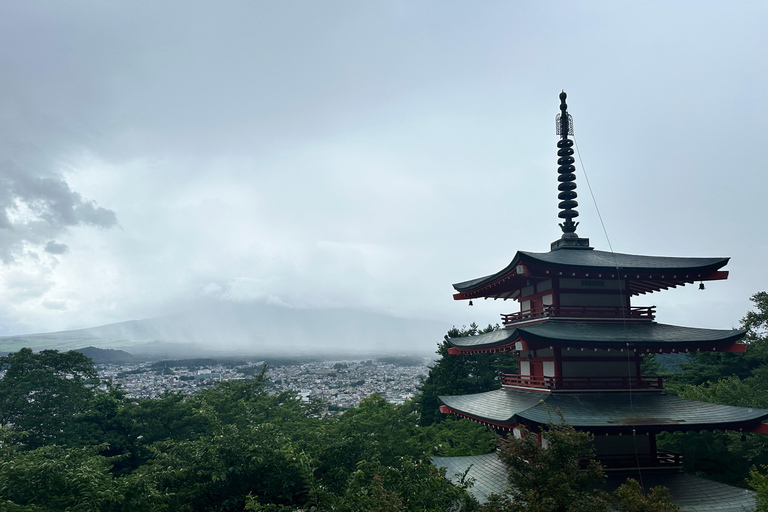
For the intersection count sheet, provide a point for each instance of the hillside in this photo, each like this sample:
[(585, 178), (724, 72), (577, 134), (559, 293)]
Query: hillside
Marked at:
[(248, 329)]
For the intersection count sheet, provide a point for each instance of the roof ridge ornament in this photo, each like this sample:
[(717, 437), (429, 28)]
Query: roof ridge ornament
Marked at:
[(567, 179)]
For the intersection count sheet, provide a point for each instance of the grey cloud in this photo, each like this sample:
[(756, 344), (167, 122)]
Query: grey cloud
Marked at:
[(336, 154), (35, 207), (52, 247), (55, 305), (25, 287)]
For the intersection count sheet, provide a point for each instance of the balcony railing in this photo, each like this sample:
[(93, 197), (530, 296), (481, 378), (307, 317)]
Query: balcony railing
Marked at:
[(573, 383), (603, 312), (663, 459)]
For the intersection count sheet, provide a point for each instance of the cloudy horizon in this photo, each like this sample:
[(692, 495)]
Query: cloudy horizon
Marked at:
[(155, 156)]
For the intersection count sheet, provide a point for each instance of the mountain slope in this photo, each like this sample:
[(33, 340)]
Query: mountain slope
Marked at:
[(249, 328)]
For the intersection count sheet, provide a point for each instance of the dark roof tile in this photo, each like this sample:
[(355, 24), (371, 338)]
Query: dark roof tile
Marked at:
[(602, 333), (604, 412), (691, 493)]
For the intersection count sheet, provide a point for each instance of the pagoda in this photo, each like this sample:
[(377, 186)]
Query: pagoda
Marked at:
[(579, 341)]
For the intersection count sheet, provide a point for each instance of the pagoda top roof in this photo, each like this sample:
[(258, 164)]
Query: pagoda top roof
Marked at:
[(598, 413), (650, 336), (609, 260), (644, 273)]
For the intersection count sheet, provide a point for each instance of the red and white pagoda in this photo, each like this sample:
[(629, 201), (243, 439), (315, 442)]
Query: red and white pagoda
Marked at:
[(579, 341)]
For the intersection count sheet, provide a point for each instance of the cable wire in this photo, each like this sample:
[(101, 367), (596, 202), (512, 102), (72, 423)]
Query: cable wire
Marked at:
[(623, 311)]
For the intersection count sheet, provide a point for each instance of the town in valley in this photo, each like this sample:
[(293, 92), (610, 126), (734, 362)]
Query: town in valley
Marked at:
[(337, 384)]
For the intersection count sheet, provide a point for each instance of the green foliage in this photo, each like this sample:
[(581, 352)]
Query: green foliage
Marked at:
[(629, 497), (266, 452), (375, 430), (713, 366), (245, 448), (758, 481), (649, 365), (722, 456), (460, 375), (551, 479), (43, 393), (129, 427), (409, 484), (730, 379), (54, 478), (565, 477), (68, 444), (219, 470), (733, 390), (756, 322), (456, 437)]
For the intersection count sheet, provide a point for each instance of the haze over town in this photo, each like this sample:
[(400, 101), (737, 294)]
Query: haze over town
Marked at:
[(158, 158)]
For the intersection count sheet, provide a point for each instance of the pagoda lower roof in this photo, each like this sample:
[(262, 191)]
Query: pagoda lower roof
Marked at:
[(689, 492), (649, 336), (620, 412), (487, 471), (644, 273)]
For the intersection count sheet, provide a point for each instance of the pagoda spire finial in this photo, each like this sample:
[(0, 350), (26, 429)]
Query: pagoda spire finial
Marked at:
[(567, 179)]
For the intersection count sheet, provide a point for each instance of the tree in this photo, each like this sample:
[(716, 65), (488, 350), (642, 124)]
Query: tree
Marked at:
[(564, 476), (729, 379), (551, 479), (231, 441), (374, 431), (758, 480), (454, 437), (713, 366), (54, 478), (408, 484), (44, 393), (459, 375), (629, 497), (219, 470)]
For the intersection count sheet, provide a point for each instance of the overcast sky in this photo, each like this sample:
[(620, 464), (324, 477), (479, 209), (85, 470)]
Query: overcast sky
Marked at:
[(367, 155)]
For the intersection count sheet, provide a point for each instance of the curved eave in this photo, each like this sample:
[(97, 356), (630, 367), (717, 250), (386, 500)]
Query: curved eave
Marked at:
[(502, 285), (641, 336), (501, 339), (603, 413), (644, 274)]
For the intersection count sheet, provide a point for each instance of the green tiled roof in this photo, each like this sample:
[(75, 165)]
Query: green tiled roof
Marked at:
[(604, 412), (487, 471), (606, 262), (489, 339), (690, 493), (603, 334), (610, 260)]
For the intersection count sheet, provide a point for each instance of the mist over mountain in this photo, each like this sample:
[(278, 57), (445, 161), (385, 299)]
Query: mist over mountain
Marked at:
[(248, 328)]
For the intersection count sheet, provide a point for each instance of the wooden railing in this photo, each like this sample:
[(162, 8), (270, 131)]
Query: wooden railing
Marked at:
[(663, 459), (637, 312), (667, 458), (571, 383)]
